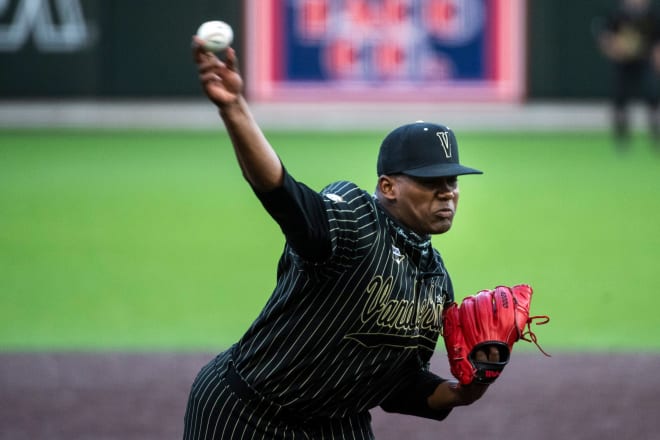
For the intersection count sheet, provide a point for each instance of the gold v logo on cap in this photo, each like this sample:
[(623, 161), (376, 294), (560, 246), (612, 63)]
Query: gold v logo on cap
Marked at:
[(444, 141)]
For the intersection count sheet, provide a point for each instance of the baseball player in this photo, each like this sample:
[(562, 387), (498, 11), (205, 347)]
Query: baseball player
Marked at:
[(355, 315), (630, 39)]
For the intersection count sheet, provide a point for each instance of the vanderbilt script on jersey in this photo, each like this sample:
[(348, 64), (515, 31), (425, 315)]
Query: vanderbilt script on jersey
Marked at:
[(401, 322)]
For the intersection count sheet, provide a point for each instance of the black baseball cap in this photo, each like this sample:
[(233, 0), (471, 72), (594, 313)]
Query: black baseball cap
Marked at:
[(421, 149)]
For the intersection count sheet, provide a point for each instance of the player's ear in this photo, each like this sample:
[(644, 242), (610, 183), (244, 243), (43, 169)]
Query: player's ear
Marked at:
[(387, 187)]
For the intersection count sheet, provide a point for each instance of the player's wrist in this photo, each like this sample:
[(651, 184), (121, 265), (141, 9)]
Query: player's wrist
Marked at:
[(470, 393), (229, 105), (451, 394)]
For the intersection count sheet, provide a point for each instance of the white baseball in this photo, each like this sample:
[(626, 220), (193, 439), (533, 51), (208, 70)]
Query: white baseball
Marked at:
[(217, 35)]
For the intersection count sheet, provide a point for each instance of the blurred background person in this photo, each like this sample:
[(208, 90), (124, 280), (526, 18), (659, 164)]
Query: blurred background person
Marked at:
[(629, 37)]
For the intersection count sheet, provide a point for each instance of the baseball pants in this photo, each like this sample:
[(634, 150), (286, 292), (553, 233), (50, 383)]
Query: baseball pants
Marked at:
[(222, 406)]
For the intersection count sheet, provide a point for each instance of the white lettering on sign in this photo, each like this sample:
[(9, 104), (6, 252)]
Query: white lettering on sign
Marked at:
[(61, 28)]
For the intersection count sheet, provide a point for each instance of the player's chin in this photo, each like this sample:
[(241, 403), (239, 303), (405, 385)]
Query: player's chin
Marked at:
[(440, 226)]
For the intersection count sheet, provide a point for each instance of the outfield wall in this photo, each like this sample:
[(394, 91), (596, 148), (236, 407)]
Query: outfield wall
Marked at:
[(122, 48)]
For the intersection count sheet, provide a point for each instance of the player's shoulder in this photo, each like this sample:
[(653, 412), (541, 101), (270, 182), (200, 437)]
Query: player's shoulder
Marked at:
[(344, 191)]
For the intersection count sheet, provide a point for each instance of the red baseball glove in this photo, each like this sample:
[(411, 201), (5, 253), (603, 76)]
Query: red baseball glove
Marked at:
[(491, 318)]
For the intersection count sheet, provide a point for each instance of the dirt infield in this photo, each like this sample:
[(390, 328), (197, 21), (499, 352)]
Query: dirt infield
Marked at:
[(142, 396)]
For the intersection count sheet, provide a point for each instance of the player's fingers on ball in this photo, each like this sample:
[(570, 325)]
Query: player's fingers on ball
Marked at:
[(224, 70), (209, 77), (197, 49), (204, 59), (231, 59), (210, 63)]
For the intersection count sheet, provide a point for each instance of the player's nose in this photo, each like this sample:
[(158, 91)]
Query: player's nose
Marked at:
[(444, 192)]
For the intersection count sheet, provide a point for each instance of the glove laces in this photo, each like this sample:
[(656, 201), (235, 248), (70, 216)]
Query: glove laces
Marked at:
[(529, 335)]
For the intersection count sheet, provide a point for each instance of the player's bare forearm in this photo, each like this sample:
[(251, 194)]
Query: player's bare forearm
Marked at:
[(260, 164), (223, 85), (451, 394)]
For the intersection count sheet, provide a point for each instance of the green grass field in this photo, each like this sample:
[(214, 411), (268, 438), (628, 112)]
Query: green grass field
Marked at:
[(152, 240)]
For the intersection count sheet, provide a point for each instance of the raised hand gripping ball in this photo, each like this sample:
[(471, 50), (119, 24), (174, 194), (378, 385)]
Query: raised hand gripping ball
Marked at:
[(216, 35)]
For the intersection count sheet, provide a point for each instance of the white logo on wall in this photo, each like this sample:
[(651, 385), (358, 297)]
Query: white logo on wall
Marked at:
[(60, 28)]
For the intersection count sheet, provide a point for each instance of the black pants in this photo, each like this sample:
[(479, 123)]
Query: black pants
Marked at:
[(635, 80), (222, 406)]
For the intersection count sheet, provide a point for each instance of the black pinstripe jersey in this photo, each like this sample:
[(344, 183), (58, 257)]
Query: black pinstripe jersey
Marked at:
[(356, 330)]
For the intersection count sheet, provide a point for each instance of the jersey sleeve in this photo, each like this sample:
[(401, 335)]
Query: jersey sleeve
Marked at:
[(411, 397), (300, 213), (334, 226)]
